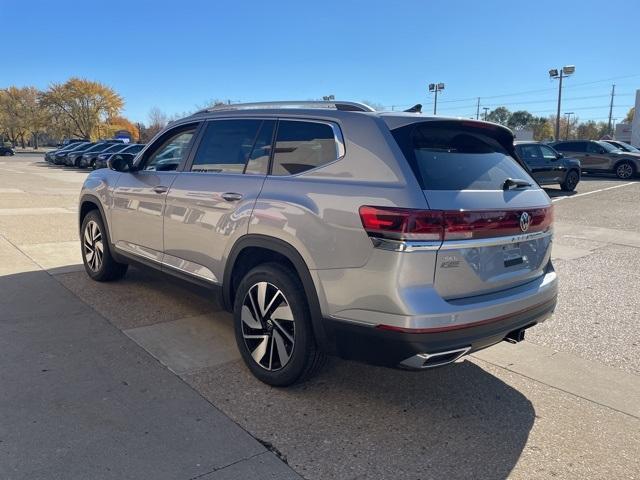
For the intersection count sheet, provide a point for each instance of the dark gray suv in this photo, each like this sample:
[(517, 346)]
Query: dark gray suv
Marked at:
[(601, 157), (395, 238), (548, 166)]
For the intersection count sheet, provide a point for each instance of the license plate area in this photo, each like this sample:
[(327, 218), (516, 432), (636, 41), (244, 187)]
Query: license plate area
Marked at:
[(512, 256)]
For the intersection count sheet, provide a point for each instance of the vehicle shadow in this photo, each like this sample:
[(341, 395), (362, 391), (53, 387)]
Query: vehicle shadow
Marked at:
[(458, 421), (352, 420), (557, 192)]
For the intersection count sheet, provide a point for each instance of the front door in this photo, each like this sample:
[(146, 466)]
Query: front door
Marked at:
[(555, 168), (210, 202), (139, 196), (595, 158), (532, 156)]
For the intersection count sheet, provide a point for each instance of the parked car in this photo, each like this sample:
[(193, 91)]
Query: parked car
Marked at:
[(6, 151), (601, 157), (394, 238), (60, 157), (50, 155), (70, 141), (102, 158), (88, 159), (73, 159), (625, 147), (548, 166)]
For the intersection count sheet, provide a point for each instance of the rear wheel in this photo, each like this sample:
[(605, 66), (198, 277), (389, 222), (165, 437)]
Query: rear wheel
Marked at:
[(570, 181), (273, 326), (96, 255), (624, 170)]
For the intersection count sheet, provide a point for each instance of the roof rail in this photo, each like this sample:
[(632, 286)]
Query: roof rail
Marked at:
[(335, 105)]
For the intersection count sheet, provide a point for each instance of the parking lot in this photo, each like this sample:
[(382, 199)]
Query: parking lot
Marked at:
[(563, 404)]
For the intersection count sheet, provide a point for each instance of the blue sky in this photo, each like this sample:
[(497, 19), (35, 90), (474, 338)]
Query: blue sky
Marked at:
[(178, 55)]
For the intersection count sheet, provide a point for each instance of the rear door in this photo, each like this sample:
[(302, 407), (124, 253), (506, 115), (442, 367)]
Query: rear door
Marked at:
[(495, 237), (210, 202)]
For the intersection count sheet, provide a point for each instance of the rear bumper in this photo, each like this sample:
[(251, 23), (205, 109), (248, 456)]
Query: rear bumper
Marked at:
[(391, 348)]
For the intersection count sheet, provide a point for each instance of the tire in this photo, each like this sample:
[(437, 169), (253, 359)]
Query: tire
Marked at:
[(624, 170), (96, 255), (277, 345), (92, 165), (570, 181)]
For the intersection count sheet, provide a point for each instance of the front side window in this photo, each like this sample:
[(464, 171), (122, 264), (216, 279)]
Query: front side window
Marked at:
[(445, 157), (548, 153), (227, 145), (528, 153), (302, 145), (170, 152)]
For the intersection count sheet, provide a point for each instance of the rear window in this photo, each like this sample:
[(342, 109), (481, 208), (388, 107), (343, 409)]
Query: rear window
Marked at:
[(457, 157)]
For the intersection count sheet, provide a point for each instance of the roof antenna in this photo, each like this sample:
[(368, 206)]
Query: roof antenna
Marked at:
[(417, 108)]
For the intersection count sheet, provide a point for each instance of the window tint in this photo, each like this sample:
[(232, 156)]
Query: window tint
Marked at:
[(258, 163), (133, 148), (225, 146), (607, 146), (301, 146), (447, 157), (571, 147), (171, 152), (593, 147), (528, 153), (548, 153)]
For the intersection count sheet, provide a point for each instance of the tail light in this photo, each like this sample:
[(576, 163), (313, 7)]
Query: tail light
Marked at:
[(413, 224)]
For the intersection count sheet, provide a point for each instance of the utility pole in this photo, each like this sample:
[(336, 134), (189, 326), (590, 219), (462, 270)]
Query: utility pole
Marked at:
[(568, 114), (613, 94), (560, 74), (478, 109), (486, 109), (435, 88)]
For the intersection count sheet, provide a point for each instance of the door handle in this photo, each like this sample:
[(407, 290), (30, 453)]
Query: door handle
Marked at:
[(231, 196), (160, 189)]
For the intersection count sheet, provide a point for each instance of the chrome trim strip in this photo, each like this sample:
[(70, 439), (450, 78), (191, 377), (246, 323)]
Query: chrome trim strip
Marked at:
[(494, 241), (418, 245), (405, 246)]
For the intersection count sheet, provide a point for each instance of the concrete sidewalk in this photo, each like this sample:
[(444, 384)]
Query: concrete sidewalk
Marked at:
[(79, 399)]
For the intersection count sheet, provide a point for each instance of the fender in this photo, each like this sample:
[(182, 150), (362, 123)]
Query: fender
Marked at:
[(287, 250)]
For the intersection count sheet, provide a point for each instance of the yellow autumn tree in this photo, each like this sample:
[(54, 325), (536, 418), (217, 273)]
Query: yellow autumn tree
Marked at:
[(86, 104)]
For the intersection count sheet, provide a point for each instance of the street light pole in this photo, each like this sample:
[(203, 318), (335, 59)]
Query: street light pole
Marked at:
[(478, 109), (560, 74), (568, 114), (435, 88)]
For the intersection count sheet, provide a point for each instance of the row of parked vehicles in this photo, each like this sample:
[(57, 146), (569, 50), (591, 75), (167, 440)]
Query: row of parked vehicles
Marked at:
[(563, 162), (93, 155)]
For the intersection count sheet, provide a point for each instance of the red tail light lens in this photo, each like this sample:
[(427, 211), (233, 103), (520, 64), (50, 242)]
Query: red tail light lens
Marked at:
[(413, 224), (402, 223)]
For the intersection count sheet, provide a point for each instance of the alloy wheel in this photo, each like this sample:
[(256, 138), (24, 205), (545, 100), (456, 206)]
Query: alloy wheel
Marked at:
[(93, 246), (268, 327), (624, 170)]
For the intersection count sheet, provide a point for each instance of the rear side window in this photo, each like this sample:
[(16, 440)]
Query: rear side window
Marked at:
[(571, 147), (446, 157), (226, 146), (301, 146)]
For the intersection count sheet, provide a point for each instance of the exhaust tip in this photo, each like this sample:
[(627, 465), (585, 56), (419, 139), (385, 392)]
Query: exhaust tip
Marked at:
[(423, 361)]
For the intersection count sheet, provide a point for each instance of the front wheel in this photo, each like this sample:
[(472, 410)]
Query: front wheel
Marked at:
[(273, 326), (96, 255), (570, 181), (624, 170)]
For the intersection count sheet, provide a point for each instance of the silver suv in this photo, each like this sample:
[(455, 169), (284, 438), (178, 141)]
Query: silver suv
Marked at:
[(328, 228)]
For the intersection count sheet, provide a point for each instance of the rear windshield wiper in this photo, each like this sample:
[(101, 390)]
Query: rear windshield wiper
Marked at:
[(511, 183)]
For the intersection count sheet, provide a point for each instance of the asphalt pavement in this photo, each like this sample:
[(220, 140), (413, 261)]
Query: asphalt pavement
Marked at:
[(563, 404)]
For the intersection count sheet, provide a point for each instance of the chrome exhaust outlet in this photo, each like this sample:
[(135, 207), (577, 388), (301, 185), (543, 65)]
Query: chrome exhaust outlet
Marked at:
[(421, 361)]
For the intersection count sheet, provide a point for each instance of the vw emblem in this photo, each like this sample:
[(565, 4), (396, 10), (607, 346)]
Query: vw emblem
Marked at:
[(525, 220)]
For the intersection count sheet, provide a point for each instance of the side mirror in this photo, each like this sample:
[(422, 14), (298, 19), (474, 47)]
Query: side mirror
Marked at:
[(559, 156), (121, 162)]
